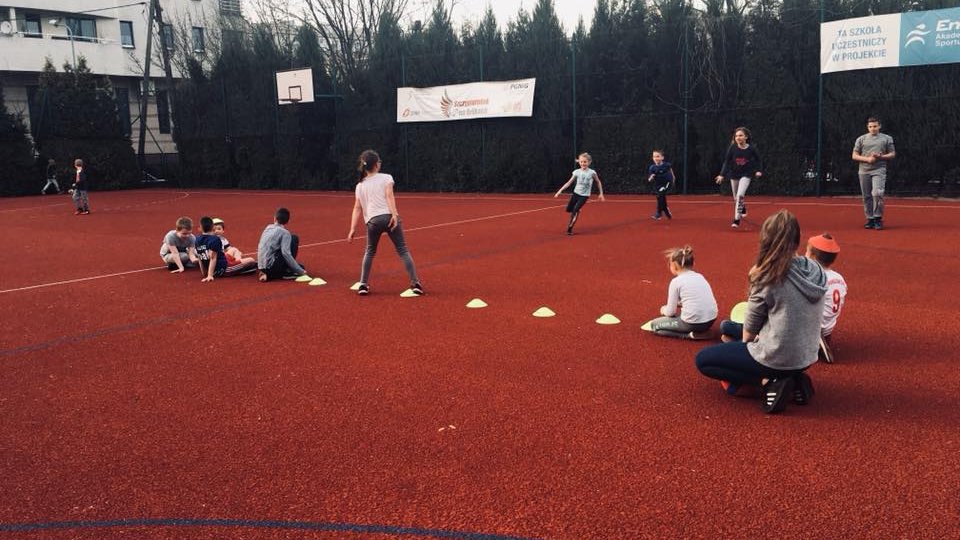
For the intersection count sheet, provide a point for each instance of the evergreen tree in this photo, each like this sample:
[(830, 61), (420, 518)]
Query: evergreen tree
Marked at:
[(80, 120), (22, 176)]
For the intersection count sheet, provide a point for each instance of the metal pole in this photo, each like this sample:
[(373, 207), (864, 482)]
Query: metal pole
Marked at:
[(820, 115), (573, 81), (686, 99), (73, 49), (145, 91), (483, 124), (406, 130)]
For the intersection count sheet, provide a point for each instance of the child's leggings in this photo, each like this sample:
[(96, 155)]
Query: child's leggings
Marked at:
[(375, 228), (81, 200), (739, 188)]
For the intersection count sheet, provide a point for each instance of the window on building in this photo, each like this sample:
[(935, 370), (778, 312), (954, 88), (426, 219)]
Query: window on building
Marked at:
[(198, 41), (126, 34), (31, 26), (231, 38), (82, 29), (166, 36), (34, 106), (123, 109), (163, 111)]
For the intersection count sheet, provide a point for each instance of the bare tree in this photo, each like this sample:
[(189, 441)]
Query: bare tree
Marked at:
[(347, 29)]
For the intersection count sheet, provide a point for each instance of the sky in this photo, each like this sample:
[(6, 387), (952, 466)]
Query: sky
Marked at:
[(568, 11)]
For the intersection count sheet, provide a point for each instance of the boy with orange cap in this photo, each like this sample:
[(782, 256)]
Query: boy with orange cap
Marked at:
[(824, 249)]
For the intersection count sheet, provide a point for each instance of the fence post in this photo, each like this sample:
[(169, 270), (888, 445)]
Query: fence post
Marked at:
[(573, 81), (819, 114)]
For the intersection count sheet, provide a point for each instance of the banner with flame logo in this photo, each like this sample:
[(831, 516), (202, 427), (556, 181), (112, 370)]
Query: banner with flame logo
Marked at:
[(466, 101)]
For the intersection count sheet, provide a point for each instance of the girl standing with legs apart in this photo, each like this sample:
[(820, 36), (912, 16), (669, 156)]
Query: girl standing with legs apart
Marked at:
[(584, 178), (740, 164), (375, 201), (781, 331)]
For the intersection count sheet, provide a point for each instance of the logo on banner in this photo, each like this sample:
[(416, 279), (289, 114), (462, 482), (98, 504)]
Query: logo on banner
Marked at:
[(445, 104), (463, 108), (917, 35)]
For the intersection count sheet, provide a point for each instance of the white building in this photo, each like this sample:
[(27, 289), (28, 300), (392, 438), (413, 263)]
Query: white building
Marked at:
[(111, 35)]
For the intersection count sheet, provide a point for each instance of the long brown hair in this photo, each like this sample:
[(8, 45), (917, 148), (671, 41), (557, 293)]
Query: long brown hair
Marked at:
[(779, 240)]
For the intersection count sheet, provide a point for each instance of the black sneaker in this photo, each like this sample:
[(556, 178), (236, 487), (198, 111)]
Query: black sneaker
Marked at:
[(878, 224), (802, 388), (743, 210), (868, 224), (775, 394), (736, 223), (668, 214), (363, 290), (656, 216), (417, 289), (569, 231), (290, 276)]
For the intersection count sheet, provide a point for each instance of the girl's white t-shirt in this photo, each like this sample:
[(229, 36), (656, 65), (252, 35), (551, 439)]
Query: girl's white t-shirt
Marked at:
[(372, 194)]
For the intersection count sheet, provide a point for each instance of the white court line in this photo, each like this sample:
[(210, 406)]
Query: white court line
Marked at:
[(328, 242), (633, 198)]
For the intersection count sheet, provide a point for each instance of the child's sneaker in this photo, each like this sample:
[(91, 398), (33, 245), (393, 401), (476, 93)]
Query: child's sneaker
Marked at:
[(363, 290), (736, 223), (824, 353), (775, 394), (76, 212), (668, 214), (742, 210), (868, 224), (417, 289), (85, 212), (802, 388), (569, 231), (656, 216)]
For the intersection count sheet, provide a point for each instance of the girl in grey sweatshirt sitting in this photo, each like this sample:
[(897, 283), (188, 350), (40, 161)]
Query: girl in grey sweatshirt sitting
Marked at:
[(782, 326)]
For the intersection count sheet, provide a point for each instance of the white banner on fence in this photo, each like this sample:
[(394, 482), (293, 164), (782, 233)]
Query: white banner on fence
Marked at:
[(861, 43), (466, 101)]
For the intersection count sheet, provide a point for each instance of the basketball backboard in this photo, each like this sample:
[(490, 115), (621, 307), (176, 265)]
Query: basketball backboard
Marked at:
[(295, 86)]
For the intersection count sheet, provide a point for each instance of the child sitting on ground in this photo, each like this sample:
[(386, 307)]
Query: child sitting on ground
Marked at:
[(691, 307), (179, 246), (213, 261), (277, 250), (824, 249), (232, 252)]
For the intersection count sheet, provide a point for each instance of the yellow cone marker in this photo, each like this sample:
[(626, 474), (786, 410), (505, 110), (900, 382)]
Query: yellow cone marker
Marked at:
[(317, 281), (408, 293), (476, 303), (544, 312), (355, 286), (607, 318), (304, 278), (739, 312), (647, 326)]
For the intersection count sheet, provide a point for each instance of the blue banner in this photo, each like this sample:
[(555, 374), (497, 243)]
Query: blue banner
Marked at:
[(930, 37)]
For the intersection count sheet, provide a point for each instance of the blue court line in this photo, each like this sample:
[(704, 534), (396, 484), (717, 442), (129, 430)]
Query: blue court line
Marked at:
[(254, 524)]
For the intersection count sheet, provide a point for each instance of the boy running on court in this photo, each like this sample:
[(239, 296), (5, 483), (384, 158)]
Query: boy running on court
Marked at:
[(661, 173)]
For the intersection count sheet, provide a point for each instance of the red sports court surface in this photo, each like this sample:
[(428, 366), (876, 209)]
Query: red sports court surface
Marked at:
[(140, 404)]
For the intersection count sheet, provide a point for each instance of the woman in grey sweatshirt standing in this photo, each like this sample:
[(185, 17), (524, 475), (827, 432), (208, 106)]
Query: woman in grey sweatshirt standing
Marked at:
[(782, 325)]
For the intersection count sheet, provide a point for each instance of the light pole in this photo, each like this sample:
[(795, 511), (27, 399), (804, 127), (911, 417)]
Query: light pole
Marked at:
[(73, 50)]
